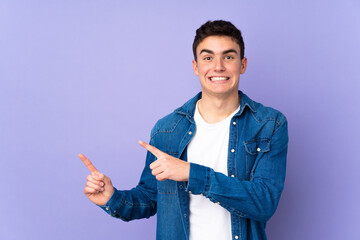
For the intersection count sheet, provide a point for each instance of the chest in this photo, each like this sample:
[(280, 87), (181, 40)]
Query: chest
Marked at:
[(209, 147)]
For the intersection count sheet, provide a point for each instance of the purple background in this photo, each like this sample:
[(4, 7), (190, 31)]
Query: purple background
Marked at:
[(94, 76)]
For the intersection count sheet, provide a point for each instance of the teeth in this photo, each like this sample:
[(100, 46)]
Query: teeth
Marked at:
[(219, 78)]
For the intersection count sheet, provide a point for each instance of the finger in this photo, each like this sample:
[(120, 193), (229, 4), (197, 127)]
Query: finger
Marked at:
[(155, 164), (157, 171), (91, 179), (94, 186), (88, 190), (157, 153), (162, 176), (87, 163), (98, 176), (101, 177)]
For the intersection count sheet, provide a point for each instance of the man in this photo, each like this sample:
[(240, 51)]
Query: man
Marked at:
[(215, 167)]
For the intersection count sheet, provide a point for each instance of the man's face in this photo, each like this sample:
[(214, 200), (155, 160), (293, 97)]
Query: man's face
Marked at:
[(219, 65)]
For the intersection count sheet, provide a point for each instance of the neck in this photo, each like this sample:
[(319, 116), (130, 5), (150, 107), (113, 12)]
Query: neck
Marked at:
[(216, 108)]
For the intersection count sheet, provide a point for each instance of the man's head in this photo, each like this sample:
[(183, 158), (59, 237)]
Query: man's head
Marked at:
[(218, 28), (219, 58)]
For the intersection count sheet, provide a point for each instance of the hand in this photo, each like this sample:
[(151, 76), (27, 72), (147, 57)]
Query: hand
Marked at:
[(98, 187), (166, 166)]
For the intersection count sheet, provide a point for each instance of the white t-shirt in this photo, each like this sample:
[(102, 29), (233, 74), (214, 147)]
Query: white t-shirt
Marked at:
[(209, 147)]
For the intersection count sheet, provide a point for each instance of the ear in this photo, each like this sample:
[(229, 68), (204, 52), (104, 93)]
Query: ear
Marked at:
[(243, 65), (195, 67)]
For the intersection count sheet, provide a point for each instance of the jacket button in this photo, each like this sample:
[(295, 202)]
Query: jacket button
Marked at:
[(234, 123), (107, 209), (232, 150), (236, 237), (185, 215), (190, 132), (232, 175), (258, 149), (181, 186)]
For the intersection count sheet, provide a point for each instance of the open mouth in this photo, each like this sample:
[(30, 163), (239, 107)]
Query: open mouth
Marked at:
[(216, 79)]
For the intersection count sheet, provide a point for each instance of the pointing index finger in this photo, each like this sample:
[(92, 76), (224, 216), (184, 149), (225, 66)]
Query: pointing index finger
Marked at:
[(87, 163), (157, 153)]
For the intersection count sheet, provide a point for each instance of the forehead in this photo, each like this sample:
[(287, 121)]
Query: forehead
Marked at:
[(218, 44)]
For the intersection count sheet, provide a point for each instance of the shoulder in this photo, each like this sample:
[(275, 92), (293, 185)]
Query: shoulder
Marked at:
[(262, 114), (167, 124), (265, 113), (180, 118)]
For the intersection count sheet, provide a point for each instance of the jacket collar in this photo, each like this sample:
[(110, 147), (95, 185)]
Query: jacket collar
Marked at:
[(188, 108)]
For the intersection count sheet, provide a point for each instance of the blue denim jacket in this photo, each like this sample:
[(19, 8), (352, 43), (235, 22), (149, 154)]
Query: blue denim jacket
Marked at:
[(256, 172)]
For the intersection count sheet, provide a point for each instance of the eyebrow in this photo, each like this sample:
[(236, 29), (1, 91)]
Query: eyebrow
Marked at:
[(230, 51), (212, 52)]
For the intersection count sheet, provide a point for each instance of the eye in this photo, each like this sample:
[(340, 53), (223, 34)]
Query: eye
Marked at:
[(229, 57), (207, 58)]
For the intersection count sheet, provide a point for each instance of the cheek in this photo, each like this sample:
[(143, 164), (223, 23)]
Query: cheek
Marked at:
[(203, 70), (236, 70)]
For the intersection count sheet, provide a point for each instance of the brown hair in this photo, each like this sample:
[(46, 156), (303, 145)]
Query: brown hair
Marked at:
[(218, 28)]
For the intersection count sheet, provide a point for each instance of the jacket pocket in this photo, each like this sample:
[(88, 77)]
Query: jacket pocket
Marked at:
[(255, 148)]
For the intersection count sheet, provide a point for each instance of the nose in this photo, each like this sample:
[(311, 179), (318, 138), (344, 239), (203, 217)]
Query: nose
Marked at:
[(219, 65)]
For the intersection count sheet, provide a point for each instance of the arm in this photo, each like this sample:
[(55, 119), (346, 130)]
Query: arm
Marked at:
[(255, 199), (139, 202)]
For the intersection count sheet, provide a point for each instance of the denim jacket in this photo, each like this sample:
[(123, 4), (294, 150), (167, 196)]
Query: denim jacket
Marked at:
[(257, 151)]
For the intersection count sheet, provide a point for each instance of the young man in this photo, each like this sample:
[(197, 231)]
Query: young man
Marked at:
[(216, 166)]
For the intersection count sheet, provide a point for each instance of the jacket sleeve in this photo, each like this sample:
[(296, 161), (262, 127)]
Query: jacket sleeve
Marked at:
[(256, 198), (137, 203)]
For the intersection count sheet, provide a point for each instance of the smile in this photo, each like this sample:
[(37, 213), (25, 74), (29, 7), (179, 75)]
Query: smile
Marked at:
[(219, 78)]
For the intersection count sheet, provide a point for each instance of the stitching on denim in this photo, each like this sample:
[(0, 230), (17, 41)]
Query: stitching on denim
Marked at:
[(277, 122), (170, 130), (240, 229), (246, 162), (257, 140), (166, 189), (171, 153), (151, 203), (136, 204), (184, 138), (266, 119), (254, 141), (181, 202), (170, 193), (280, 123), (207, 186)]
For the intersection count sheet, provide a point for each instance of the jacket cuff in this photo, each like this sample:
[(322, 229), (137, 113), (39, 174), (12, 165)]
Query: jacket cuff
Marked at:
[(112, 204), (199, 179)]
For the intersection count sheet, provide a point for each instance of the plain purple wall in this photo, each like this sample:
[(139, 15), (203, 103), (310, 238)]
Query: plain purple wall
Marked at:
[(94, 76)]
